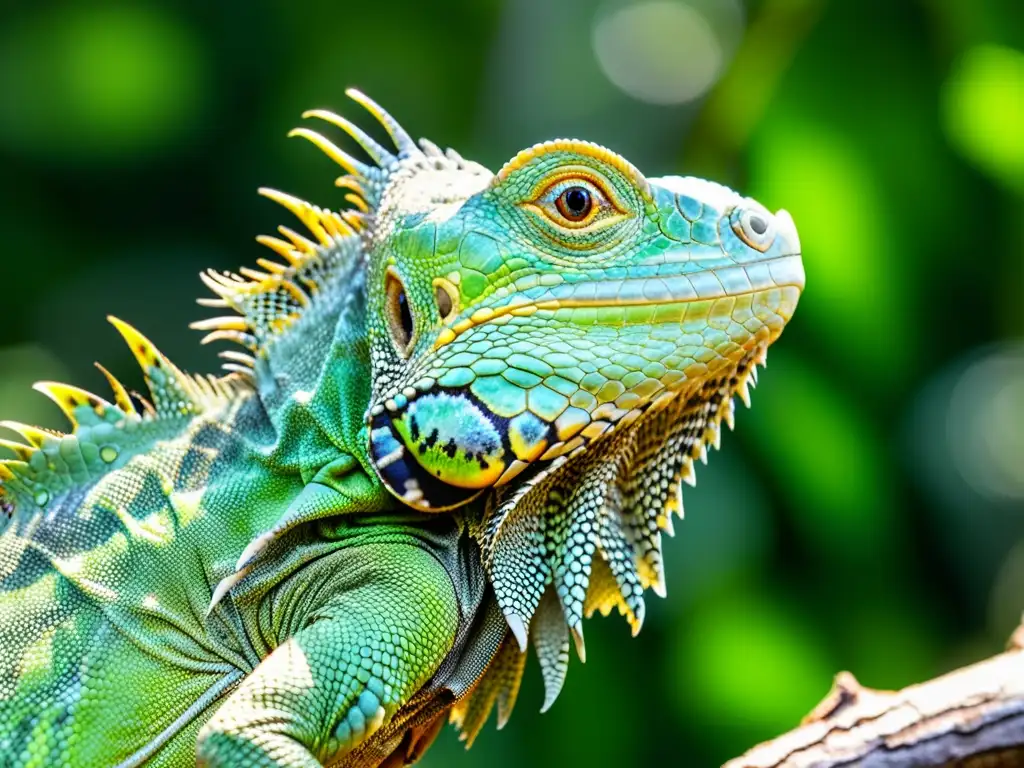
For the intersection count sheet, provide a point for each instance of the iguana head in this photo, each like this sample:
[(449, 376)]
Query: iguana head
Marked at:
[(523, 316)]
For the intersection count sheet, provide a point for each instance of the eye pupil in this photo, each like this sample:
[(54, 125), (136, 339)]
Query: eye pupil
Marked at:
[(406, 314), (758, 225), (577, 200), (575, 203)]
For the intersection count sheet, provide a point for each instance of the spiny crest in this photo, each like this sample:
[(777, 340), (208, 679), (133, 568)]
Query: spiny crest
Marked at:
[(105, 435), (269, 301), (272, 299), (583, 535)]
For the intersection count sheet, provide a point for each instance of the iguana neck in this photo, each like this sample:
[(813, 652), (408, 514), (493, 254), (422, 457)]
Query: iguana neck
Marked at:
[(320, 419), (315, 385)]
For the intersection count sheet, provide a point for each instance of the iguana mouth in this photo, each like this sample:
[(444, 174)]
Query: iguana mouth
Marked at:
[(730, 281)]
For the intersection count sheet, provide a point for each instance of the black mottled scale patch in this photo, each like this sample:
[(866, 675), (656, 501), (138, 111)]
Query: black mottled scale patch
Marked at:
[(430, 441), (210, 435), (149, 499), (193, 470), (32, 565), (67, 529), (210, 444)]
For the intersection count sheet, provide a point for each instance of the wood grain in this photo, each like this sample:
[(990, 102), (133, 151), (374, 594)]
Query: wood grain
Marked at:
[(970, 718)]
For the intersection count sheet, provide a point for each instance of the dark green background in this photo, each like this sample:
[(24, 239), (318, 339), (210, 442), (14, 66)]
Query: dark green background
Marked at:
[(867, 512)]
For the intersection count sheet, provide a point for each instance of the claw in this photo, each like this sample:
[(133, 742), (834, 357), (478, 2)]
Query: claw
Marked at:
[(577, 638), (515, 623)]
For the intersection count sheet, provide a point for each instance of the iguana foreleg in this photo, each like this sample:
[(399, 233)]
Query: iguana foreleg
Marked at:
[(339, 679)]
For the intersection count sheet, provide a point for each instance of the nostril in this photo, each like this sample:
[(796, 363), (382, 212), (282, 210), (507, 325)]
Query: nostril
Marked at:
[(759, 225), (444, 302), (446, 296)]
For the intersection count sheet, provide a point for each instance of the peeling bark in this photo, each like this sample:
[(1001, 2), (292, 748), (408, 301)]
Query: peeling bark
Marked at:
[(970, 718)]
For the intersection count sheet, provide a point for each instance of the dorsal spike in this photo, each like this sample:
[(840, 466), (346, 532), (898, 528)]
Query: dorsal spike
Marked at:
[(148, 411), (430, 149), (354, 219), (296, 292), (20, 450), (273, 267), (301, 243), (244, 339), (281, 248), (358, 202), (34, 436), (218, 283), (305, 212), (205, 301), (173, 393), (238, 357), (377, 153), (225, 323), (145, 352), (329, 148), (352, 183), (253, 274), (202, 386), (240, 370), (403, 141), (334, 224), (70, 399), (273, 298)]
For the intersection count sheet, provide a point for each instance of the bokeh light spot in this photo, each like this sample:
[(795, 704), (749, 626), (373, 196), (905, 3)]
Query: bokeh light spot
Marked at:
[(985, 425), (664, 52), (983, 111), (751, 664), (116, 79)]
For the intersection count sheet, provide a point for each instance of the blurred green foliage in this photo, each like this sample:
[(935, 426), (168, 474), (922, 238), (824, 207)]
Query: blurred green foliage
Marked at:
[(836, 529)]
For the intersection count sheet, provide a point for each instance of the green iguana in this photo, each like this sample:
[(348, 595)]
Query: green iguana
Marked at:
[(459, 425)]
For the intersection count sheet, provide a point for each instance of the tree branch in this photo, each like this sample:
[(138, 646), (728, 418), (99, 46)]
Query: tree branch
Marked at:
[(972, 717)]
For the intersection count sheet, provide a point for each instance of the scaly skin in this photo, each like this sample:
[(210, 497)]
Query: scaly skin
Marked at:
[(460, 424)]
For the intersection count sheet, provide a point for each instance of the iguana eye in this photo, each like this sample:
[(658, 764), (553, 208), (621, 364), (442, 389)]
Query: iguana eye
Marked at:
[(754, 227), (399, 314), (575, 202)]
